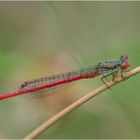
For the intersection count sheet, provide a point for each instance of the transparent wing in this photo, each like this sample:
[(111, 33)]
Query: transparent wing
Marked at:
[(53, 79)]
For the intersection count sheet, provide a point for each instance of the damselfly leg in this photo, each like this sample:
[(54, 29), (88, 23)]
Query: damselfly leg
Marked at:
[(123, 71), (113, 73)]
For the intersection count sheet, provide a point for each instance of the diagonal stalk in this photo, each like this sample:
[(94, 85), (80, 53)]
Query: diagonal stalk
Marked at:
[(79, 102)]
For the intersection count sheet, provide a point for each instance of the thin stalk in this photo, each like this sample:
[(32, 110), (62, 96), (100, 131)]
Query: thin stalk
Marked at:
[(79, 102)]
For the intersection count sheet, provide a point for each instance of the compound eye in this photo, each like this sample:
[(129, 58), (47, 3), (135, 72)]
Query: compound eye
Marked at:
[(124, 62)]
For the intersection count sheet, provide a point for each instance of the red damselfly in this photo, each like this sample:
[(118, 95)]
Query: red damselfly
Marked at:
[(104, 69)]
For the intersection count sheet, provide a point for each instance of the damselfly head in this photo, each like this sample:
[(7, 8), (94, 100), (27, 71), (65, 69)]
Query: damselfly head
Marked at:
[(124, 62)]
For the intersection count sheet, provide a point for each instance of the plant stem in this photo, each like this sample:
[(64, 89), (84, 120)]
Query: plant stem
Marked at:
[(79, 102)]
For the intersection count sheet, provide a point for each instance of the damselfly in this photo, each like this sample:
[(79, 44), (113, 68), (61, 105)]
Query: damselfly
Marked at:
[(104, 69)]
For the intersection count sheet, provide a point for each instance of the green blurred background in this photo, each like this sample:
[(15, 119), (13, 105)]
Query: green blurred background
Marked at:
[(44, 38)]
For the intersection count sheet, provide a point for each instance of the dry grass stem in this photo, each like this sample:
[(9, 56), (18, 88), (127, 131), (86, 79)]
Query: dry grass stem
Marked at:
[(79, 102)]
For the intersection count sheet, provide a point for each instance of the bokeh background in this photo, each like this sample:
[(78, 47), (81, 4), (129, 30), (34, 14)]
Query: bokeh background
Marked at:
[(44, 38)]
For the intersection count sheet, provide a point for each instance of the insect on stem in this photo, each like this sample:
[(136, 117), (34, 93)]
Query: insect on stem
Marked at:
[(104, 69)]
